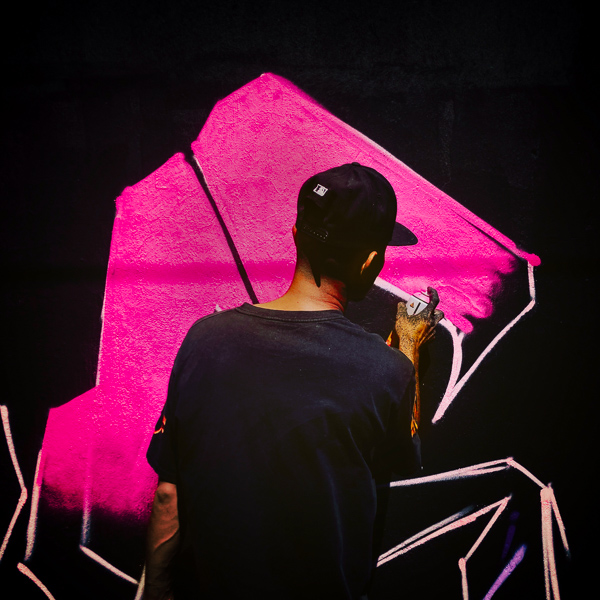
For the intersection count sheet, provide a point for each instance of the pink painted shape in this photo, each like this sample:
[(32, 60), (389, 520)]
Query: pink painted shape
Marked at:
[(169, 265), (263, 141), (65, 452)]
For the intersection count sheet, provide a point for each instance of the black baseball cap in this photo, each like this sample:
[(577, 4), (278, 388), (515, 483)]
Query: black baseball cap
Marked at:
[(351, 206)]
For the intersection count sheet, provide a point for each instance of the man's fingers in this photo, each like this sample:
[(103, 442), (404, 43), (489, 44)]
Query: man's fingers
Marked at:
[(430, 335), (401, 308), (434, 300), (437, 316)]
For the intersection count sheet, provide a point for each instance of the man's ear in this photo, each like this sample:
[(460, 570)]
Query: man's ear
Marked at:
[(368, 262)]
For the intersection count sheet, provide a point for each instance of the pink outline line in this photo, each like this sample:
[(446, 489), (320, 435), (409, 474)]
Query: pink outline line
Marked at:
[(35, 498), (462, 563), (472, 471), (510, 567), (513, 463), (450, 527), (500, 510), (549, 507), (423, 533), (559, 521), (107, 565), (141, 584), (550, 576), (23, 495), (27, 572), (451, 393), (455, 384), (457, 354)]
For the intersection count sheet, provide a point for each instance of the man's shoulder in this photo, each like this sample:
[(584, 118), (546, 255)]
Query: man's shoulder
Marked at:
[(216, 322), (214, 318), (349, 337)]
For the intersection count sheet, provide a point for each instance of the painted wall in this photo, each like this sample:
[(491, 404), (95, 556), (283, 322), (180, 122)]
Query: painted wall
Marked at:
[(170, 264), (77, 485)]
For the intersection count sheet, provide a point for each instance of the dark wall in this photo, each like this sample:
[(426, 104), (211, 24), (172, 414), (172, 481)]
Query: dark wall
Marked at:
[(493, 102)]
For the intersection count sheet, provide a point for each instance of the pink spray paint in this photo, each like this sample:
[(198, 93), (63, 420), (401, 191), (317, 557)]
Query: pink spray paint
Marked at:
[(170, 265), (262, 142)]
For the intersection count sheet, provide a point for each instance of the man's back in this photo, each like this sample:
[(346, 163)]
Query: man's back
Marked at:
[(277, 425)]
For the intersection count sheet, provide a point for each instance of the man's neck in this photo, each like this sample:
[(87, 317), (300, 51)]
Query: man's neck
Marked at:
[(304, 295)]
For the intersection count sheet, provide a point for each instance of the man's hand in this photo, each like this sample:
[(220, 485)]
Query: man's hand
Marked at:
[(411, 332)]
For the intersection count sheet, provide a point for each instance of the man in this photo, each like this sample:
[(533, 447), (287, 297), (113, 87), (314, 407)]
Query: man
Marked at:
[(281, 418)]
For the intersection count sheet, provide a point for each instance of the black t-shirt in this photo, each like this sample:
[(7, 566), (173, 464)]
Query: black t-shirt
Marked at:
[(277, 427)]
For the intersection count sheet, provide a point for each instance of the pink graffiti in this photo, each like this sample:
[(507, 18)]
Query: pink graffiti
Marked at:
[(15, 462), (549, 510), (271, 137), (28, 573), (170, 264)]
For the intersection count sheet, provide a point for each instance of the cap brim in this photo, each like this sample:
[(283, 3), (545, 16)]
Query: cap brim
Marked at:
[(402, 236)]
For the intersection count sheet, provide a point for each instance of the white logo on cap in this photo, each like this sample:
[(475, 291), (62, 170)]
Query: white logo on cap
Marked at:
[(320, 190)]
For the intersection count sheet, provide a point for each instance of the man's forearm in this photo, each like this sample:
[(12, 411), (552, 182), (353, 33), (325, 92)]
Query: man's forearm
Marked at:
[(162, 543), (411, 350), (410, 333)]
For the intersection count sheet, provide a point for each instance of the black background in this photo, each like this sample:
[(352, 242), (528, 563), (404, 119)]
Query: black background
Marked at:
[(495, 103)]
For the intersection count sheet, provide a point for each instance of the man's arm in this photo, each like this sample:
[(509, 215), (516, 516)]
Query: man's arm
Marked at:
[(410, 333), (162, 542)]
